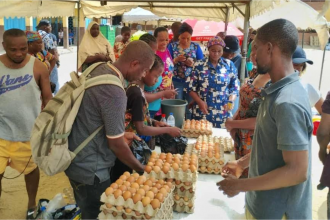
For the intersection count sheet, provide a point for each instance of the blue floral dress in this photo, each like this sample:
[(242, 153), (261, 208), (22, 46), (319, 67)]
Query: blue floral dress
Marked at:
[(213, 85)]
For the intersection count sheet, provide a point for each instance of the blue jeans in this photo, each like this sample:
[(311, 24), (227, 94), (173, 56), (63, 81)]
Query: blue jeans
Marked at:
[(54, 79), (180, 86), (236, 102), (70, 41), (88, 197)]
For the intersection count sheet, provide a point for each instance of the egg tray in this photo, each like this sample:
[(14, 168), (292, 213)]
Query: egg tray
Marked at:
[(210, 172), (184, 176), (213, 163), (189, 191), (182, 207), (192, 134), (190, 149), (138, 206), (109, 215), (208, 128), (228, 145)]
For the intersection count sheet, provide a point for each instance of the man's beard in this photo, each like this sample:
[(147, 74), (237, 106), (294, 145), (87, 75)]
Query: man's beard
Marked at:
[(261, 70)]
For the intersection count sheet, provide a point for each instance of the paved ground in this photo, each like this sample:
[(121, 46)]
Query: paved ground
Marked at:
[(14, 198)]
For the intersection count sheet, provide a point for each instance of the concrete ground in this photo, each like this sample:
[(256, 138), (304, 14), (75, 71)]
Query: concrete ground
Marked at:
[(14, 197)]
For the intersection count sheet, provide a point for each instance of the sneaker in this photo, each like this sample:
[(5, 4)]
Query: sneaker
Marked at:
[(30, 214)]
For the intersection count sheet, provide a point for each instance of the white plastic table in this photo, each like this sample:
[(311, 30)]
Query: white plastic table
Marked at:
[(210, 203)]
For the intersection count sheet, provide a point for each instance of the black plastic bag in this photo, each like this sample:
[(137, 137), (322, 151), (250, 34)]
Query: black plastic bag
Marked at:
[(172, 145), (141, 151)]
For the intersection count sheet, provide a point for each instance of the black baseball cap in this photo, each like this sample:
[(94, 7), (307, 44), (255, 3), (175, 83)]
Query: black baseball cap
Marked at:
[(43, 23), (232, 44), (299, 56)]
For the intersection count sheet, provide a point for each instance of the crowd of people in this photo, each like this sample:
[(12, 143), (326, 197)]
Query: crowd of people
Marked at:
[(269, 116)]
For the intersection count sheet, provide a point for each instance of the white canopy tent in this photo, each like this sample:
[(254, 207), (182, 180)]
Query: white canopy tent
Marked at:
[(139, 15)]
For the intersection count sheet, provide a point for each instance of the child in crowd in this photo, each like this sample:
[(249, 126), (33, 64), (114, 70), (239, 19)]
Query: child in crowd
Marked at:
[(120, 46), (150, 40), (137, 114)]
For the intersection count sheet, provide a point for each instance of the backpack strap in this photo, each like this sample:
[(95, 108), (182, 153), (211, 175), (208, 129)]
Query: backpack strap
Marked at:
[(104, 79), (85, 142)]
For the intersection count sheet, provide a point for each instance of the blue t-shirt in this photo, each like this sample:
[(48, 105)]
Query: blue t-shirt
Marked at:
[(284, 123)]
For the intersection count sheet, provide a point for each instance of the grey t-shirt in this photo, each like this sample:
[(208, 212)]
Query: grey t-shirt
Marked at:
[(101, 105), (284, 123)]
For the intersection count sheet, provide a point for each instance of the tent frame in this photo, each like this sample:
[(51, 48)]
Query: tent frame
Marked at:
[(224, 9)]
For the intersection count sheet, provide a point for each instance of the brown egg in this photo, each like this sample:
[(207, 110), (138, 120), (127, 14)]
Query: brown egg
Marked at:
[(135, 185), (161, 182), (162, 156), (176, 160), (132, 190), (175, 166), (177, 182), (169, 180), (123, 188), (155, 203), (167, 188), (190, 205), (154, 190), (124, 216), (166, 169), (114, 214), (169, 159), (114, 186), (127, 184), (169, 184), (137, 213), (150, 194), (150, 164), (186, 199), (130, 179), (148, 183), (192, 168), (136, 198), (157, 169), (142, 192), (127, 174), (119, 208), (210, 154), (160, 197), (147, 216), (168, 164), (158, 186), (182, 189), (187, 183), (119, 182), (209, 169), (177, 197), (128, 210), (146, 188), (108, 205), (152, 160), (109, 191), (152, 179), (146, 201), (123, 177), (127, 195), (191, 190), (158, 164), (136, 175), (139, 181), (117, 193), (217, 156), (184, 167), (163, 191)]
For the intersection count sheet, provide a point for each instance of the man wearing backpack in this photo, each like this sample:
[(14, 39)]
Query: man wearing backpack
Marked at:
[(89, 172), (23, 79)]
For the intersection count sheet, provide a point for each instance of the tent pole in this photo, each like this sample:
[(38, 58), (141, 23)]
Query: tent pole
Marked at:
[(244, 48), (145, 26), (226, 21), (322, 67), (303, 38), (78, 32)]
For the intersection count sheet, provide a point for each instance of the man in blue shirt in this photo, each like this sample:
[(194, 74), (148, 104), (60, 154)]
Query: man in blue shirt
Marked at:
[(279, 183)]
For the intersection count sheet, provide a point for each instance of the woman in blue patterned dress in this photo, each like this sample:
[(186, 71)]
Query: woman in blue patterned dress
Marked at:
[(184, 53), (213, 85)]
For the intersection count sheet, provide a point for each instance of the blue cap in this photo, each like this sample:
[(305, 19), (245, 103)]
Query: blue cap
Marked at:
[(171, 113), (299, 56)]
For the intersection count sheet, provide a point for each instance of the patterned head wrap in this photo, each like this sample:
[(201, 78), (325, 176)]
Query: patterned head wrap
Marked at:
[(216, 41), (32, 36)]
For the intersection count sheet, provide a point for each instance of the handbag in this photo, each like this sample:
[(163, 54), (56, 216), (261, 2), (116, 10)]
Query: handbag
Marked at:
[(174, 145)]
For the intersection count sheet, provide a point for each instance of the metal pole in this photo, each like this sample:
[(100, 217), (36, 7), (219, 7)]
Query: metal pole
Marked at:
[(322, 67), (244, 48), (78, 33), (226, 21), (303, 38)]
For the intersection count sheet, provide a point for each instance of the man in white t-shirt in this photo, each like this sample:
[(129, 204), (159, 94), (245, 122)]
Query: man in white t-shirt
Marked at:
[(300, 61)]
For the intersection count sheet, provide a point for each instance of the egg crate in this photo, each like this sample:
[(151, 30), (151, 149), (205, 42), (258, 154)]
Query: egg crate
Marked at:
[(190, 149), (192, 134), (228, 145), (185, 176), (211, 162), (109, 214), (185, 191), (138, 206), (210, 171), (182, 206), (197, 127)]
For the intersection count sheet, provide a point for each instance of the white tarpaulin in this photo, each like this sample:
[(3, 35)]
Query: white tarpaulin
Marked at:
[(139, 14), (36, 8)]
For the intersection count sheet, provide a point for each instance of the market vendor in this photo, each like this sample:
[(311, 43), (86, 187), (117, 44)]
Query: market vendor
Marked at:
[(184, 53), (213, 85)]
